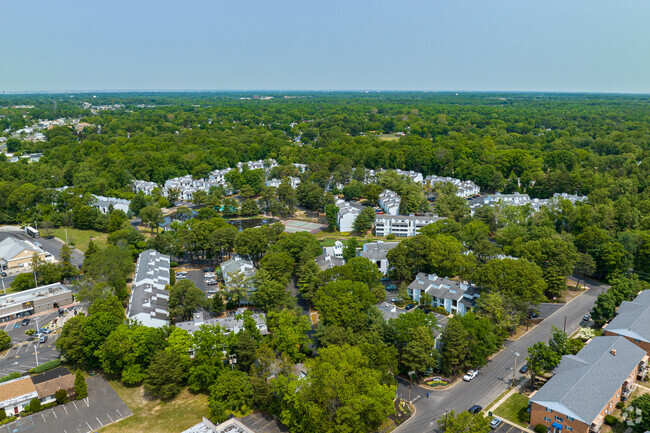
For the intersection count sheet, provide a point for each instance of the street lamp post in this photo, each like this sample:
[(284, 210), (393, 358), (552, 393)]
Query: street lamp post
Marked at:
[(514, 368), (445, 425), (36, 353), (66, 236), (3, 285), (410, 379)]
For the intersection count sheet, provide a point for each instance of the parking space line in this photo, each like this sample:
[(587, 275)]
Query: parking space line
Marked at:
[(75, 405), (118, 412), (109, 417), (102, 424), (66, 409), (54, 412), (43, 416)]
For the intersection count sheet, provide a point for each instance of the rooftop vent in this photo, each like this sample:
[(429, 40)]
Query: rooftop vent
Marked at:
[(613, 352)]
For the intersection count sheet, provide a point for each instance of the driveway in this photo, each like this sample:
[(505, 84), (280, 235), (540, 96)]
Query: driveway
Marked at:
[(102, 407), (494, 378)]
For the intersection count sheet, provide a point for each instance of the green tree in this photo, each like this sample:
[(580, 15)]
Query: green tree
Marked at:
[(23, 282), (344, 303), (165, 375), (5, 340), (218, 306), (80, 386), (151, 215), (270, 295), (289, 330), (67, 268), (332, 214), (420, 352), (184, 299), (364, 221), (464, 422), (278, 265), (249, 208), (233, 390), (519, 279), (341, 392), (138, 202), (455, 347), (541, 357), (61, 396), (350, 249)]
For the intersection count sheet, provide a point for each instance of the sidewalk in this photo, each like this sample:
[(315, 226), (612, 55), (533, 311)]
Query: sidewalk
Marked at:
[(505, 397)]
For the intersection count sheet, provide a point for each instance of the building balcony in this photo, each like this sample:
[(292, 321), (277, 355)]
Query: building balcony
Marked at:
[(597, 424)]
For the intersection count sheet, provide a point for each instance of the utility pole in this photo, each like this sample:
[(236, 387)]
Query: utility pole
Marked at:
[(233, 361), (35, 280), (3, 285), (36, 353), (514, 369), (564, 330), (66, 236), (445, 426), (410, 379)]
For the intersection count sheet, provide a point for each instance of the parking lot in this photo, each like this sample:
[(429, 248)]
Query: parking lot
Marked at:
[(506, 427), (197, 277), (102, 407)]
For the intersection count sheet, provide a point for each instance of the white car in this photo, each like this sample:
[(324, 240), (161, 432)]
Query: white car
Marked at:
[(470, 375)]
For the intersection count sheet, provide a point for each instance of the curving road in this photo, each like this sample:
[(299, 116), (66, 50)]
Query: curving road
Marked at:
[(494, 378)]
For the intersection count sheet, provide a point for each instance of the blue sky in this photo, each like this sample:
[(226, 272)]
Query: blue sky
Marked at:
[(484, 45)]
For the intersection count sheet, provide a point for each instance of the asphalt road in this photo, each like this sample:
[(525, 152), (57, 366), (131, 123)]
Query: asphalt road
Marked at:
[(494, 378)]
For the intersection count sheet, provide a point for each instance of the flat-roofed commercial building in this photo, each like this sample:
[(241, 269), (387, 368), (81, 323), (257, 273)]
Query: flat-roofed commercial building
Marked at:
[(34, 301)]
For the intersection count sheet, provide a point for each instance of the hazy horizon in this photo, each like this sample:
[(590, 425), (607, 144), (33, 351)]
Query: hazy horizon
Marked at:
[(550, 46)]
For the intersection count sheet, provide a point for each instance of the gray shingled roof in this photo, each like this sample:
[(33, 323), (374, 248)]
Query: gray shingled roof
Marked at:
[(633, 319), (584, 383), (325, 261), (377, 250), (149, 299), (10, 247)]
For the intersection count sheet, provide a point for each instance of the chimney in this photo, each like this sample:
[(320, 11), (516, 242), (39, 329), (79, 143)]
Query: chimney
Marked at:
[(613, 352)]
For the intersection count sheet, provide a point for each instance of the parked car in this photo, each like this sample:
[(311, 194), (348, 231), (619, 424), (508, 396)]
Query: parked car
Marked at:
[(495, 423), (4, 274), (587, 317), (25, 322), (470, 375), (49, 237), (212, 282), (475, 409), (208, 269), (524, 368), (409, 307), (395, 299), (209, 275), (212, 291), (44, 331), (42, 339), (391, 287)]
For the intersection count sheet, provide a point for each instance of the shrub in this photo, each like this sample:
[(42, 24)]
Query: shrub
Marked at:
[(49, 365), (611, 420), (3, 415), (540, 428), (35, 404), (231, 305), (30, 332), (173, 264), (10, 376), (60, 396), (25, 410), (441, 310), (390, 237), (620, 405)]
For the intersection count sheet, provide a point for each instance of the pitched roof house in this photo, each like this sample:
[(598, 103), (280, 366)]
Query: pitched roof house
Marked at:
[(149, 298)]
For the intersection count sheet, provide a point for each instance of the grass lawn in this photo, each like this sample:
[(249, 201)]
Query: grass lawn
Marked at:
[(514, 410), (79, 238), (156, 416)]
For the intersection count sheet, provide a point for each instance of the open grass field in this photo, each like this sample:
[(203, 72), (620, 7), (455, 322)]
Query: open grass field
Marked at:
[(156, 416), (514, 410), (79, 238)]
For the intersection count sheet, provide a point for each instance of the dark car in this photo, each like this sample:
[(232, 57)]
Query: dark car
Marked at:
[(49, 237), (523, 369), (208, 269), (25, 322), (4, 274), (532, 314), (475, 409), (409, 307)]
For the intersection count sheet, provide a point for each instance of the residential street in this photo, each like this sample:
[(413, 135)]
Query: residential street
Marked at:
[(494, 377)]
